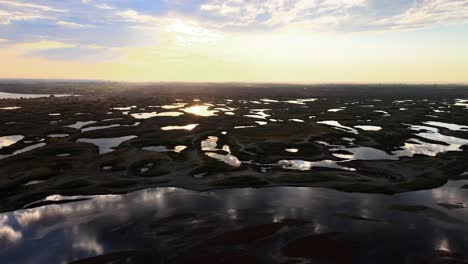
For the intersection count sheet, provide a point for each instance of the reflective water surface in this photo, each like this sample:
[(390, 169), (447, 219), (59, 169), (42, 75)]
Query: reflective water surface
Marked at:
[(10, 108), (187, 127), (200, 110), (369, 128), (144, 115), (176, 149), (106, 145), (454, 127), (422, 223), (337, 125), (80, 124), (19, 95), (23, 150), (9, 140)]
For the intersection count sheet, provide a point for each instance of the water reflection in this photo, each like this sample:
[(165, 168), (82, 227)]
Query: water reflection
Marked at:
[(81, 124), (93, 128), (369, 128), (173, 114), (296, 120), (106, 145), (337, 125), (126, 108), (303, 165), (200, 110), (364, 153), (384, 113), (144, 115), (23, 150), (301, 101), (28, 96), (461, 102), (176, 149), (58, 135), (415, 146), (10, 108), (210, 146), (449, 126), (174, 106), (99, 127), (10, 140), (229, 159), (334, 110), (292, 150), (109, 223), (187, 127), (33, 182)]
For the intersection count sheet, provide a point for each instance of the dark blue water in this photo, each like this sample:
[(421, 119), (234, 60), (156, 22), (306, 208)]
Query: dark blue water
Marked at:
[(379, 228)]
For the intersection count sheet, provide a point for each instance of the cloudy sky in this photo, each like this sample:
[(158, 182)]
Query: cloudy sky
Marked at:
[(304, 41)]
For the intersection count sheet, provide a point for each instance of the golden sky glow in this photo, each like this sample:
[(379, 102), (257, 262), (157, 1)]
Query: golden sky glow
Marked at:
[(182, 45)]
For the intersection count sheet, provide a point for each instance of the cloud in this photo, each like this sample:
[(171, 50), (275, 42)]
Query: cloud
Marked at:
[(43, 45), (233, 38), (7, 234), (188, 32), (426, 13), (133, 16), (69, 24), (335, 15), (2, 40), (98, 5), (29, 5), (278, 13), (104, 6), (20, 11)]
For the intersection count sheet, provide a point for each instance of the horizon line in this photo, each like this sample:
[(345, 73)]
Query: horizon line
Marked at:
[(228, 82)]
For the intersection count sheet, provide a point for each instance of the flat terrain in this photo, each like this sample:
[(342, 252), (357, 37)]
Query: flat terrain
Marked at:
[(117, 137)]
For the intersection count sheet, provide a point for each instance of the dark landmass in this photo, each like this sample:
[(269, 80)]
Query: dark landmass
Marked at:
[(69, 167)]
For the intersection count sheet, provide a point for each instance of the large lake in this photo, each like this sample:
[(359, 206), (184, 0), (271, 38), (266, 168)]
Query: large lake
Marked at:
[(167, 223)]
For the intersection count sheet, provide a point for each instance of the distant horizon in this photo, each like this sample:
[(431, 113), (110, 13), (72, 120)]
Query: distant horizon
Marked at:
[(3, 80)]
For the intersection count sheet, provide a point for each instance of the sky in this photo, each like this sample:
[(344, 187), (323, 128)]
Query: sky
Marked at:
[(286, 41)]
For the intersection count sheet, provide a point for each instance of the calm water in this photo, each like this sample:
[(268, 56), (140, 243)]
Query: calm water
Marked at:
[(19, 95), (381, 228)]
